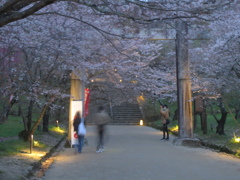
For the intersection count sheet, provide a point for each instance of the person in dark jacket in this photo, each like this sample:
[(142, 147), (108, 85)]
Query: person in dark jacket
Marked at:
[(77, 120), (101, 119)]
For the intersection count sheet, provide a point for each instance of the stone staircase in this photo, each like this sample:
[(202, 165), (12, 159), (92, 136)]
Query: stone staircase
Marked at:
[(126, 114)]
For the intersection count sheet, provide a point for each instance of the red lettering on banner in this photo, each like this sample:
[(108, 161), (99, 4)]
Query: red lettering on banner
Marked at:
[(86, 102)]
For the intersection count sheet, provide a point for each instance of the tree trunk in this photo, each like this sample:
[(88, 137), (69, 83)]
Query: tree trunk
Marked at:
[(4, 114), (237, 115), (23, 134), (29, 114), (221, 122), (38, 121), (204, 122), (46, 120), (27, 121), (23, 118), (204, 117), (19, 111), (58, 114), (194, 121), (59, 111), (6, 109)]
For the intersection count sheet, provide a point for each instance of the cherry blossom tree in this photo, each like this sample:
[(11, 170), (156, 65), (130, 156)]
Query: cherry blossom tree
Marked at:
[(137, 10), (91, 37), (143, 11), (40, 74), (216, 63)]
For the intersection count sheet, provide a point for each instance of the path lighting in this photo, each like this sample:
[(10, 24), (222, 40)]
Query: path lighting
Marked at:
[(60, 130), (175, 129), (57, 125), (236, 139), (35, 143), (31, 144), (141, 122)]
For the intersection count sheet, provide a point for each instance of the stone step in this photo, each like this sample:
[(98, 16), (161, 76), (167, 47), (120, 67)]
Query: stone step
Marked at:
[(126, 110), (127, 114)]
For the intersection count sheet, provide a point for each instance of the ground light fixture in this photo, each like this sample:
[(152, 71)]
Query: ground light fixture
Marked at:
[(31, 144), (141, 122), (236, 139), (36, 143), (175, 128)]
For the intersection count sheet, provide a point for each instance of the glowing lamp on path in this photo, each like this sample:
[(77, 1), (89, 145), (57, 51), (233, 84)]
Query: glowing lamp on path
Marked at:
[(236, 137), (141, 122), (237, 140)]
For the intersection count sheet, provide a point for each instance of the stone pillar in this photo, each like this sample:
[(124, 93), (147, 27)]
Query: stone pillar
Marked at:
[(185, 121)]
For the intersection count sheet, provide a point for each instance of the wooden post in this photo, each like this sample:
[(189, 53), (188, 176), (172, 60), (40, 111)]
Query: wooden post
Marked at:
[(31, 144), (204, 117), (200, 109), (184, 93)]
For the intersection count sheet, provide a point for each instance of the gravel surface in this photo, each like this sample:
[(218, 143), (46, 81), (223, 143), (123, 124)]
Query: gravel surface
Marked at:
[(136, 153), (18, 167)]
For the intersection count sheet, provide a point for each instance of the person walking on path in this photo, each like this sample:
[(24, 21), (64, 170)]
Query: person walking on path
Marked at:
[(164, 111), (77, 124), (101, 118)]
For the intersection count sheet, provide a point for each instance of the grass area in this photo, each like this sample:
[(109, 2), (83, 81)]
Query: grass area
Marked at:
[(13, 145), (226, 140), (11, 128)]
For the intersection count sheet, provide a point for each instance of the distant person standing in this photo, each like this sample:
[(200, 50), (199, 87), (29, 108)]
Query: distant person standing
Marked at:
[(101, 119), (79, 127), (164, 111)]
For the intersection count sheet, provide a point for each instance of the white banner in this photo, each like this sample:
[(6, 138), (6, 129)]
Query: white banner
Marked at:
[(75, 106)]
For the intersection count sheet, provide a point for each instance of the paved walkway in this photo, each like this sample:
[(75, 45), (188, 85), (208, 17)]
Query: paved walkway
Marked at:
[(136, 153)]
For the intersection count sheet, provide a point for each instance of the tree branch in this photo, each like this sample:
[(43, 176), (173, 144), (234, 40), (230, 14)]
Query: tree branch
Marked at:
[(17, 15), (11, 10)]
